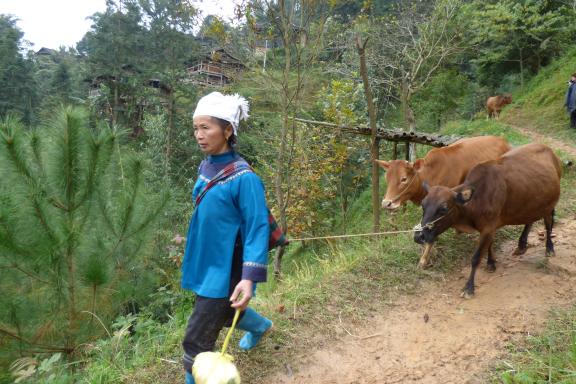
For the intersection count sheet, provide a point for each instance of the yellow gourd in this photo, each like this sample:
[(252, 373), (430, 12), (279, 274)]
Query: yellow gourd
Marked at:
[(217, 367)]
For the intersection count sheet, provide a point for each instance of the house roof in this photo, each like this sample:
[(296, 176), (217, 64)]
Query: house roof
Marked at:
[(45, 51)]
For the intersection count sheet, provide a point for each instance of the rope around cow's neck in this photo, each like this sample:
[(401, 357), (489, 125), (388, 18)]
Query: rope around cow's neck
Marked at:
[(395, 199)]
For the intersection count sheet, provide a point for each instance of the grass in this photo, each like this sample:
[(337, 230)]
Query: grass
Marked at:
[(549, 357), (485, 127)]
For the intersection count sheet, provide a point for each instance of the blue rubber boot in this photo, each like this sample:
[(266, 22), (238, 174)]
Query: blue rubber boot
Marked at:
[(255, 326), (189, 378)]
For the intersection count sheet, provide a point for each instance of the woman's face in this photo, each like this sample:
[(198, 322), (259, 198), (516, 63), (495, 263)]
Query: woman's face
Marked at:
[(211, 138)]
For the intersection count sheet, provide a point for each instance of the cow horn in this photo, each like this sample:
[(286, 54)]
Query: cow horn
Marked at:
[(426, 186)]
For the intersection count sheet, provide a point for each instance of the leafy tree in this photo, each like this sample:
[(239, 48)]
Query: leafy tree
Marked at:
[(298, 27), (59, 78), (446, 96), (344, 104), (16, 83), (62, 82), (115, 49), (409, 47), (171, 48), (75, 221), (527, 33)]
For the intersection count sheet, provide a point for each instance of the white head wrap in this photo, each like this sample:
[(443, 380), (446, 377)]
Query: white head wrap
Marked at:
[(231, 108)]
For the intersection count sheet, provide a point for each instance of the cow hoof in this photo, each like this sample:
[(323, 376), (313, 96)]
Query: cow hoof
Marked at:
[(466, 295), (519, 251), (491, 268)]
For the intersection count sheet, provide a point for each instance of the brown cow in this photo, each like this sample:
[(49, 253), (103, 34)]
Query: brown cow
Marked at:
[(446, 166), (494, 104), (520, 187)]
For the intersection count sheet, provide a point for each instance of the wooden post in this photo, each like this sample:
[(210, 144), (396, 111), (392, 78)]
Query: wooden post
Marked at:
[(395, 151), (361, 47), (407, 154)]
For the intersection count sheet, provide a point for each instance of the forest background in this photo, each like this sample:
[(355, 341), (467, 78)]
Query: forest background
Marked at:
[(97, 156)]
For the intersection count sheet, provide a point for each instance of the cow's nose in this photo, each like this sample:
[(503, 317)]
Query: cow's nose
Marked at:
[(419, 237), (387, 204)]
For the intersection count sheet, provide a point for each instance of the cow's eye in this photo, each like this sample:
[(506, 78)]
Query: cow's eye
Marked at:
[(403, 179)]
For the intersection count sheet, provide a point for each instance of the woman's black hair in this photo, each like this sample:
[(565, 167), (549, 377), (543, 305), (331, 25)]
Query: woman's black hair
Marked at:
[(223, 124)]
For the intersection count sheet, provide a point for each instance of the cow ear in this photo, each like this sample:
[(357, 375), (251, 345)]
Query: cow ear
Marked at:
[(464, 195), (418, 164), (383, 164), (426, 186)]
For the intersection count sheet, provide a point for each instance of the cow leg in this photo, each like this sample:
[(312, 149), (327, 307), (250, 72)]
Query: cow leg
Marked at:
[(483, 246), (549, 223), (523, 241), (491, 264)]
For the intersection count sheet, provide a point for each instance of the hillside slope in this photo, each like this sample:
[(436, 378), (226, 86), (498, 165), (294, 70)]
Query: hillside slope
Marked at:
[(540, 106)]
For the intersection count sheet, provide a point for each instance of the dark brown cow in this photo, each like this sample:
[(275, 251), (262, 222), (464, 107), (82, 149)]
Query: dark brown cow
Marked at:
[(519, 188), (446, 166), (494, 104)]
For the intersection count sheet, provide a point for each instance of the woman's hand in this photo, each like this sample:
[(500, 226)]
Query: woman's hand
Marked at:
[(242, 294)]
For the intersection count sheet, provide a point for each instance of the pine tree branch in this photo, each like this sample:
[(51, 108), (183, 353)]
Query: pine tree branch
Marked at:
[(8, 241), (46, 348), (42, 217), (105, 215), (24, 271), (58, 204), (148, 219)]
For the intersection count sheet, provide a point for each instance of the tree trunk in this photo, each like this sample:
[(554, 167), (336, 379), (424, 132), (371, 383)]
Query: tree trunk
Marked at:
[(71, 327), (406, 97), (278, 263), (279, 191), (521, 70), (169, 135), (374, 144), (281, 160), (116, 102)]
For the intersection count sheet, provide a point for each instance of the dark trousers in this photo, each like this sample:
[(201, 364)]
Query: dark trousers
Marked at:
[(210, 316), (573, 119)]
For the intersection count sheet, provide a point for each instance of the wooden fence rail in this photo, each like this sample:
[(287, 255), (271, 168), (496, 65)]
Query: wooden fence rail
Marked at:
[(394, 135)]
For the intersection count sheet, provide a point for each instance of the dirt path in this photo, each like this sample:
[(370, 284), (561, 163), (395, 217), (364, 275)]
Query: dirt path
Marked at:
[(437, 337), (554, 143)]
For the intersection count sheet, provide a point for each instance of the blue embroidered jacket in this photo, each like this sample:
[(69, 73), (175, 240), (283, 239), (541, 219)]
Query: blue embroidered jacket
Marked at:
[(234, 205)]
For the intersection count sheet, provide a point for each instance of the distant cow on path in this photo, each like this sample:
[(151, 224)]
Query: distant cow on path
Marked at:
[(494, 104), (446, 166), (519, 188)]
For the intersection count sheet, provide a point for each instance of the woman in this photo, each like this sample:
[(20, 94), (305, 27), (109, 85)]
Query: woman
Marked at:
[(570, 102), (227, 244)]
